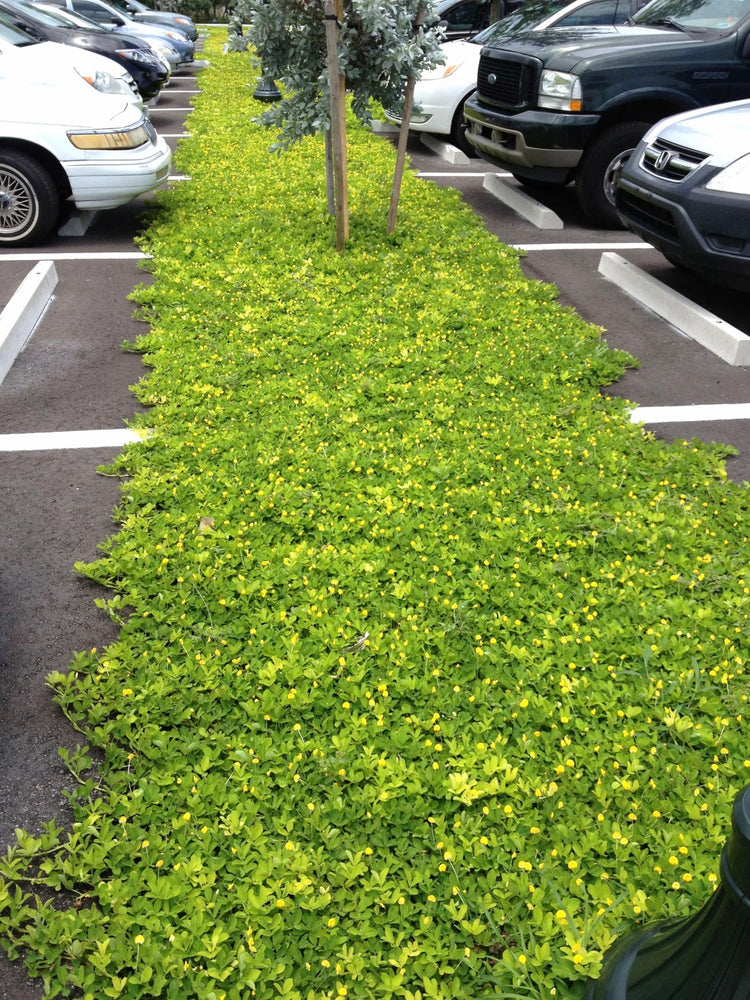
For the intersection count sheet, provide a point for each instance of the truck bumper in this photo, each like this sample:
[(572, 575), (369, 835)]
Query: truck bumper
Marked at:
[(539, 141)]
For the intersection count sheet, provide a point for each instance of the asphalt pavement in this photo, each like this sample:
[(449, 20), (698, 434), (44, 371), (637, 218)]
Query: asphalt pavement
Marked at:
[(73, 376)]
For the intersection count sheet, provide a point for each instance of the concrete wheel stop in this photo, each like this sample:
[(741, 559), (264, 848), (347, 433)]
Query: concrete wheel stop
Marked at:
[(24, 310)]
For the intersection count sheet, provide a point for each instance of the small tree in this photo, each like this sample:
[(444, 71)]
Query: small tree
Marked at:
[(378, 49)]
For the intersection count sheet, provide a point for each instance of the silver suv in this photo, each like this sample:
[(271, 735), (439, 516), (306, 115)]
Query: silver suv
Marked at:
[(686, 190)]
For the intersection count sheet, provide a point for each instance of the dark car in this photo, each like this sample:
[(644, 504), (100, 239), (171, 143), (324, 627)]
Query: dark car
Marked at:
[(136, 56), (140, 12), (686, 190), (109, 18), (463, 18)]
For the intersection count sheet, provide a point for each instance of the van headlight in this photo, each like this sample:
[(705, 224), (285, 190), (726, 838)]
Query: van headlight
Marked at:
[(104, 139), (734, 179), (560, 91)]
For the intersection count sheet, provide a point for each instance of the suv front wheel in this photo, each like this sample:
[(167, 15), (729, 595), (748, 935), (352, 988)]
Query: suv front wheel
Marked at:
[(600, 168)]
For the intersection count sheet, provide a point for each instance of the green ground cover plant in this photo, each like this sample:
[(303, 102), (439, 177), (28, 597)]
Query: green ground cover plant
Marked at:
[(431, 672)]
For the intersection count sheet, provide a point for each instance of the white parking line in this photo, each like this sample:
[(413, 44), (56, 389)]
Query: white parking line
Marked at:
[(445, 173), (64, 440), (101, 255), (690, 414), (623, 245)]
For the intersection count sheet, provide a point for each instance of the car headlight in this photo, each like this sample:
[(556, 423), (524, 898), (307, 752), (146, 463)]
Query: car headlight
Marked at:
[(734, 179), (560, 91), (105, 83), (143, 56), (124, 139), (440, 72)]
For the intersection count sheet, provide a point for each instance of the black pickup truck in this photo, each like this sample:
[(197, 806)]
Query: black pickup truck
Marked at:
[(554, 107)]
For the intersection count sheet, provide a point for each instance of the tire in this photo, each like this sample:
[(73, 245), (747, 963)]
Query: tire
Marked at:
[(458, 132), (599, 169), (29, 201)]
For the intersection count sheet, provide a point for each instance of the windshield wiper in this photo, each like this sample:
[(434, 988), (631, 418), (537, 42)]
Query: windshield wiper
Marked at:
[(669, 21)]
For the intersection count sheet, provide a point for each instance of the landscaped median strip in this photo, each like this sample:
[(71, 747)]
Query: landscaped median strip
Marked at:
[(430, 677)]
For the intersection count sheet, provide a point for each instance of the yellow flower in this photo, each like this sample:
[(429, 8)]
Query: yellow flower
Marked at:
[(139, 939)]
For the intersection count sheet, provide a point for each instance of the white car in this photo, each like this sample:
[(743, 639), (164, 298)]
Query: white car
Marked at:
[(42, 58), (73, 129), (440, 94)]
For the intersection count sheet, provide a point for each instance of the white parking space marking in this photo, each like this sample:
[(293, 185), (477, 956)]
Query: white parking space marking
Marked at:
[(635, 245), (102, 255), (443, 173), (63, 440), (690, 414)]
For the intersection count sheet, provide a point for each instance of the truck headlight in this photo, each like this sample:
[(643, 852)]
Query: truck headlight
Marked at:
[(560, 91), (734, 179)]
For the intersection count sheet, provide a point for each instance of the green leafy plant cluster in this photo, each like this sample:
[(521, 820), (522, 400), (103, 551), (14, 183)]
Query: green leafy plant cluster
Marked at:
[(378, 48), (431, 672)]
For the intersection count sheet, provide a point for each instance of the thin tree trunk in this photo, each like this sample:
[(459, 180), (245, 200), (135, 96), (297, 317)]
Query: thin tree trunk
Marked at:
[(330, 198), (338, 126), (402, 139)]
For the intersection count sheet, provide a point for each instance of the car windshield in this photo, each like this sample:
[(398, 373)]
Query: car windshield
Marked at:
[(43, 17), (69, 17), (520, 20), (10, 33), (689, 14)]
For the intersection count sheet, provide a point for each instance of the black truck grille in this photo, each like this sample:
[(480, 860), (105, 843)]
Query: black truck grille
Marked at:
[(506, 82)]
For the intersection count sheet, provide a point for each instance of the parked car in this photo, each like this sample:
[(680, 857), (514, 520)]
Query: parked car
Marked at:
[(140, 12), (554, 109), (440, 94), (166, 52), (686, 190), (148, 71), (107, 16), (99, 72), (462, 18), (63, 138)]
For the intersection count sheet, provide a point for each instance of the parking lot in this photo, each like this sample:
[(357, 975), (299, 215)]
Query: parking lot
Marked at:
[(73, 377)]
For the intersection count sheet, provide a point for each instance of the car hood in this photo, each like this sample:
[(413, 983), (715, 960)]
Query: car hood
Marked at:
[(722, 130), (47, 58), (567, 48), (64, 99)]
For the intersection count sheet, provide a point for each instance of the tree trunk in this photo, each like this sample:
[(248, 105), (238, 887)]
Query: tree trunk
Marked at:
[(334, 12), (402, 139)]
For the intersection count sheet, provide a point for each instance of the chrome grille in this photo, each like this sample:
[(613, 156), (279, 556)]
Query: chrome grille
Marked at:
[(671, 162)]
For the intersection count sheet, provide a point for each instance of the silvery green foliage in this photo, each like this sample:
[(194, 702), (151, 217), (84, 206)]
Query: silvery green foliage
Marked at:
[(237, 40), (378, 49)]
